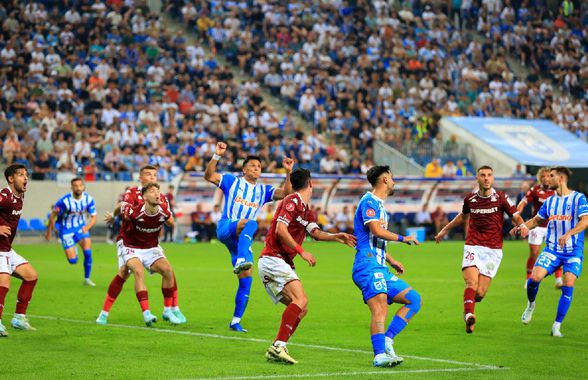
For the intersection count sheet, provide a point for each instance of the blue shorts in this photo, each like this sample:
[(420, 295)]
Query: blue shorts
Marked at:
[(551, 261), (375, 279), (69, 238), (226, 231)]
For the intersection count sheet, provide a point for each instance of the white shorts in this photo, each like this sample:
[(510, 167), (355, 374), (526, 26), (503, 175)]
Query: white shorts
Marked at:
[(146, 256), (10, 260), (275, 273), (537, 235), (487, 260)]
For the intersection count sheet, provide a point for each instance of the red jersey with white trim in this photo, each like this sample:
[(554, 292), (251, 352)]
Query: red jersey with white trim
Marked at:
[(295, 214), (10, 211), (536, 196), (487, 217), (134, 198), (142, 229)]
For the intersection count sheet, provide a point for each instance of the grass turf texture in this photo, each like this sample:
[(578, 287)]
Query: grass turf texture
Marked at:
[(337, 318)]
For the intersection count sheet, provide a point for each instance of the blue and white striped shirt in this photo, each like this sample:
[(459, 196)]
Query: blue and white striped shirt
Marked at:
[(370, 209), (243, 199), (71, 211), (563, 214)]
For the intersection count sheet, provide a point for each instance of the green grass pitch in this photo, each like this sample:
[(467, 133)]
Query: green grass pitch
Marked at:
[(332, 342)]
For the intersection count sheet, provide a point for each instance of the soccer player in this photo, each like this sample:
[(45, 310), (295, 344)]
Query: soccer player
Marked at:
[(483, 210), (244, 196), (133, 197), (11, 263), (140, 248), (567, 216), (537, 195), (292, 220), (378, 285), (69, 221)]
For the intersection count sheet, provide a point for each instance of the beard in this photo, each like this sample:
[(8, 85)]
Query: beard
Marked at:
[(391, 192)]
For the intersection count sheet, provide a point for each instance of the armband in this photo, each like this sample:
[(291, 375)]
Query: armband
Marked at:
[(216, 157), (400, 238)]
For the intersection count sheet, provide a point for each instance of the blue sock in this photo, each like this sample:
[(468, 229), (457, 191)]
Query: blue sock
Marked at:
[(379, 343), (245, 240), (242, 297), (73, 260), (87, 262), (532, 289), (564, 303), (396, 326)]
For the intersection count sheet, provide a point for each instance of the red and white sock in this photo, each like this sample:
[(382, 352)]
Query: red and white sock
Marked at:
[(290, 320), (3, 291), (469, 300), (558, 273), (168, 297), (114, 290), (143, 298), (25, 293)]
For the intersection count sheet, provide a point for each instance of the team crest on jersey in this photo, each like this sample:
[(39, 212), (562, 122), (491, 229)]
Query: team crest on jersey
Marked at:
[(493, 198), (370, 212), (290, 206), (162, 218)]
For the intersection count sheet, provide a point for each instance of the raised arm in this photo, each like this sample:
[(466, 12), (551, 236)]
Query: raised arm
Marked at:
[(281, 193), (210, 174), (460, 219)]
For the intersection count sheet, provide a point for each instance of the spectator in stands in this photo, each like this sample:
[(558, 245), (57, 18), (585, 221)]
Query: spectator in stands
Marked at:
[(307, 105), (41, 167), (423, 219), (168, 231), (202, 224), (518, 171), (264, 219), (449, 169), (461, 170), (324, 221), (67, 161), (215, 216), (434, 169), (439, 218), (344, 220)]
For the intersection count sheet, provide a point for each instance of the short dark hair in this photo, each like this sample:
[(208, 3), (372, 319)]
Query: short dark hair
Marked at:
[(251, 158), (299, 178), (375, 172), (148, 186), (484, 167), (147, 167), (76, 179), (12, 169), (563, 170)]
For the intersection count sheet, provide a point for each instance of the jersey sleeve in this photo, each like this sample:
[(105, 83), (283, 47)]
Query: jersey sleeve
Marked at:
[(465, 208), (529, 196), (4, 199), (368, 210), (227, 180), (59, 206), (129, 197), (543, 212), (508, 205), (91, 206), (582, 206), (269, 193), (288, 211)]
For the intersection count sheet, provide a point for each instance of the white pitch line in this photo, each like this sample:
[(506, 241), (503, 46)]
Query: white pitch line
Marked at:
[(256, 340), (380, 373)]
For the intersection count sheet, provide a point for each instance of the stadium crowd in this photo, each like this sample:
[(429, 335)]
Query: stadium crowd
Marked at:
[(101, 88)]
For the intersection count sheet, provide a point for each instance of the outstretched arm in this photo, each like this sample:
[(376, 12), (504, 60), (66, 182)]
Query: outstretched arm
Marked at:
[(340, 237), (457, 221), (378, 231), (210, 174), (288, 164)]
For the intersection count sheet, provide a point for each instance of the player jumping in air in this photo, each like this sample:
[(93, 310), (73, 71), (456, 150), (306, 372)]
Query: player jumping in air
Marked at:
[(69, 221), (566, 214), (537, 195), (133, 197), (378, 285), (244, 197), (11, 263), (483, 210), (292, 220)]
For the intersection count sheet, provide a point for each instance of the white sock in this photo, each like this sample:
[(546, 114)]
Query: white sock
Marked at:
[(175, 308), (167, 308), (557, 325), (104, 313), (531, 304), (235, 320), (19, 315), (279, 343)]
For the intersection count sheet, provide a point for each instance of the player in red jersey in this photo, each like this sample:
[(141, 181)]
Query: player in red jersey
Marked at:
[(140, 248), (536, 196), (11, 263), (133, 197), (292, 220), (483, 210)]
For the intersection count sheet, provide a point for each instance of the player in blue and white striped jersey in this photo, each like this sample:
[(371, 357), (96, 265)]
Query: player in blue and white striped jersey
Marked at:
[(243, 198), (68, 217), (567, 216)]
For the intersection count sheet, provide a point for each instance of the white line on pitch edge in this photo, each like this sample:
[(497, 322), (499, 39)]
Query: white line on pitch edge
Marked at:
[(256, 340), (380, 373)]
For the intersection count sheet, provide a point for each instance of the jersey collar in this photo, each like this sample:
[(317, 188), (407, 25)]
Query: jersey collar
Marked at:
[(373, 195), (492, 192)]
